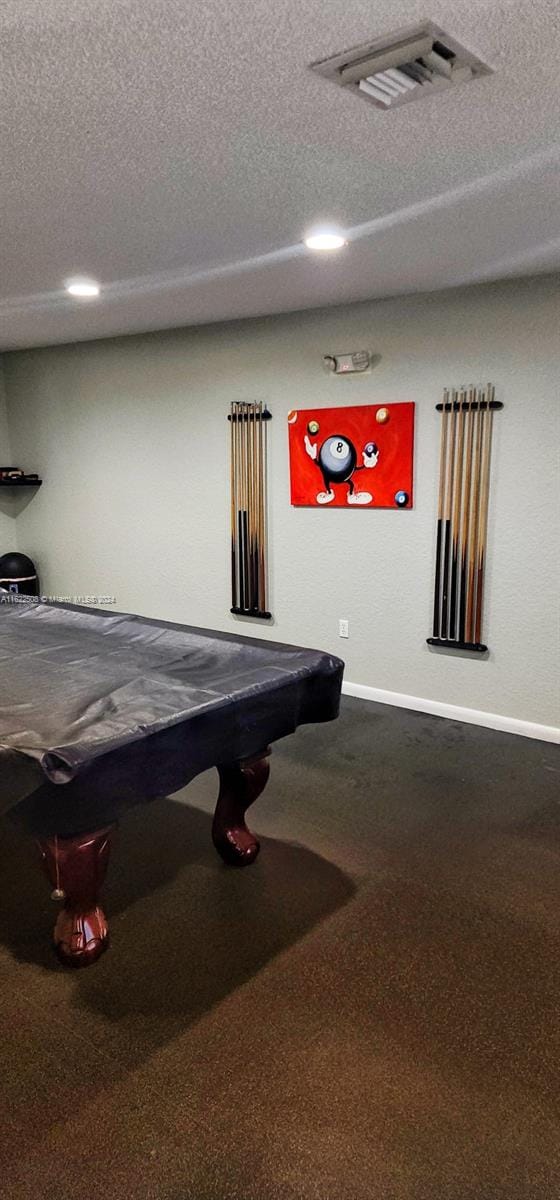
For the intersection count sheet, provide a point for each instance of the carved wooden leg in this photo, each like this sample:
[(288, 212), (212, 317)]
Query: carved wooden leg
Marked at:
[(240, 784), (76, 867)]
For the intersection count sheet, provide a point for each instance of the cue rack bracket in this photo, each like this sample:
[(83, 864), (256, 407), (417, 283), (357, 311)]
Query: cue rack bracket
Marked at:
[(265, 416), (466, 407), (249, 574), (464, 485)]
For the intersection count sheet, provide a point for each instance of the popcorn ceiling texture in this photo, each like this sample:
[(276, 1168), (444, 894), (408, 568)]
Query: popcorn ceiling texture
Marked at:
[(153, 142), (131, 438)]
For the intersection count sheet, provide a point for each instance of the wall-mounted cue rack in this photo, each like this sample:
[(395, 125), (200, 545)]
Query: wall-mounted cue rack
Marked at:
[(464, 482), (248, 510)]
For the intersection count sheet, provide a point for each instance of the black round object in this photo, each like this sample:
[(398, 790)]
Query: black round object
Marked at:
[(18, 574), (337, 458)]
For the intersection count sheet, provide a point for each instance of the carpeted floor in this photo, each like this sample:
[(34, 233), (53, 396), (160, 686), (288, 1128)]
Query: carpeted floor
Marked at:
[(371, 1012)]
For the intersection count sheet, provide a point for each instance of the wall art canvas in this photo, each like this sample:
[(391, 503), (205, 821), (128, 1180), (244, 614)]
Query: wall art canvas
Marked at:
[(352, 457)]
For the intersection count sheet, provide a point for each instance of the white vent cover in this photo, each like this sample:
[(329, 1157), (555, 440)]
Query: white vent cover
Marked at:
[(414, 63)]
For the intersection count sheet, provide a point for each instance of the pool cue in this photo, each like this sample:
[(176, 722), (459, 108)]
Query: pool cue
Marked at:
[(250, 502), (233, 509), (244, 522), (260, 539), (483, 518), (252, 522), (255, 445), (234, 497), (247, 503), (249, 510), (473, 521), (256, 505), (240, 504), (439, 535), (264, 469), (466, 514), (447, 521), (247, 451), (457, 515), (480, 444), (240, 501)]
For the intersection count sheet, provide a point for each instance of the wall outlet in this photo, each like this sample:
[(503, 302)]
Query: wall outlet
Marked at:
[(343, 628)]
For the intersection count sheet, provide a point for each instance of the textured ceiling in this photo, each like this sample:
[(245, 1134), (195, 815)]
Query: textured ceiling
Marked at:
[(177, 151)]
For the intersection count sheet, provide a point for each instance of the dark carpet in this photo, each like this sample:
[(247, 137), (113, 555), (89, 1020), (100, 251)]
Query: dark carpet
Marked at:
[(370, 1012)]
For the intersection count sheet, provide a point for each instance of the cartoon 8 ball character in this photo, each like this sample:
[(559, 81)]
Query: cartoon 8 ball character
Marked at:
[(337, 460)]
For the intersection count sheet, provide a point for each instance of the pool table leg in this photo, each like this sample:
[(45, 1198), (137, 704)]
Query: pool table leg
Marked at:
[(240, 784), (76, 868)]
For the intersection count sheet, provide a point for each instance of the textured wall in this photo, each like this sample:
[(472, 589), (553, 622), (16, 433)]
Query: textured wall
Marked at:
[(8, 503), (132, 440)]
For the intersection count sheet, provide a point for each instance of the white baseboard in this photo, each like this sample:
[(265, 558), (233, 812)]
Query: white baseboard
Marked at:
[(544, 733)]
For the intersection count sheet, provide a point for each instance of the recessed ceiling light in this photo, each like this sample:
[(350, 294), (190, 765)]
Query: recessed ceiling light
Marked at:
[(325, 239), (84, 288)]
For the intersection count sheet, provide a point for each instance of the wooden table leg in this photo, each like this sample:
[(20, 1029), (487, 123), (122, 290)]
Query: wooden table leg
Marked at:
[(76, 868), (240, 784)]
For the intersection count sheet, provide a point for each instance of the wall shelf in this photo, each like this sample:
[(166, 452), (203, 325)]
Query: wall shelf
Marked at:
[(20, 483)]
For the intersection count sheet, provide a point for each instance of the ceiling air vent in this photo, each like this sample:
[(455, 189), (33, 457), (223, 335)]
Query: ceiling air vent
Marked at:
[(406, 66)]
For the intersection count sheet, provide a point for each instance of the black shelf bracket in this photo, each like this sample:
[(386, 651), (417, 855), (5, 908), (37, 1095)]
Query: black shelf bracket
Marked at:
[(468, 406), (450, 644), (251, 612), (20, 483), (253, 416)]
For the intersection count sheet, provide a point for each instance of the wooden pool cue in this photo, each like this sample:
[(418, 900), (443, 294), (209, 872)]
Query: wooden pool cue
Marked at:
[(257, 487), (483, 517), (473, 521), (477, 500), (466, 514), (264, 477), (259, 517), (249, 509), (233, 508), (455, 574), (439, 535), (236, 521), (256, 572), (253, 512), (237, 540), (241, 508), (240, 499), (247, 562), (447, 519), (240, 504)]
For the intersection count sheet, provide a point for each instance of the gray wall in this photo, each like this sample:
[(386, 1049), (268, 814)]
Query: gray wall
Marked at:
[(8, 500), (131, 438)]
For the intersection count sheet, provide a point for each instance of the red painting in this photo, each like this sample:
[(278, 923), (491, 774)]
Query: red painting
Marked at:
[(352, 457)]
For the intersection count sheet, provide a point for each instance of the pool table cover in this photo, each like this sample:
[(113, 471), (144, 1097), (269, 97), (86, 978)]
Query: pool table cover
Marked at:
[(103, 702)]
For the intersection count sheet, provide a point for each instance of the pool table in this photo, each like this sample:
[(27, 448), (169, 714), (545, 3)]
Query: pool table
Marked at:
[(100, 711)]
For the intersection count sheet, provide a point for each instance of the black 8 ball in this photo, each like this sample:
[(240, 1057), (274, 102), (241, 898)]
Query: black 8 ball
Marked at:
[(337, 457)]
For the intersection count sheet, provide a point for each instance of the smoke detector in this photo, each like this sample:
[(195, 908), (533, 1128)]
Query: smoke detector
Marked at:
[(415, 63)]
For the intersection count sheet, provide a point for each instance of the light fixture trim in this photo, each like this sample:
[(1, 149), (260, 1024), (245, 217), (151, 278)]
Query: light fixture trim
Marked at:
[(325, 239), (83, 289)]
